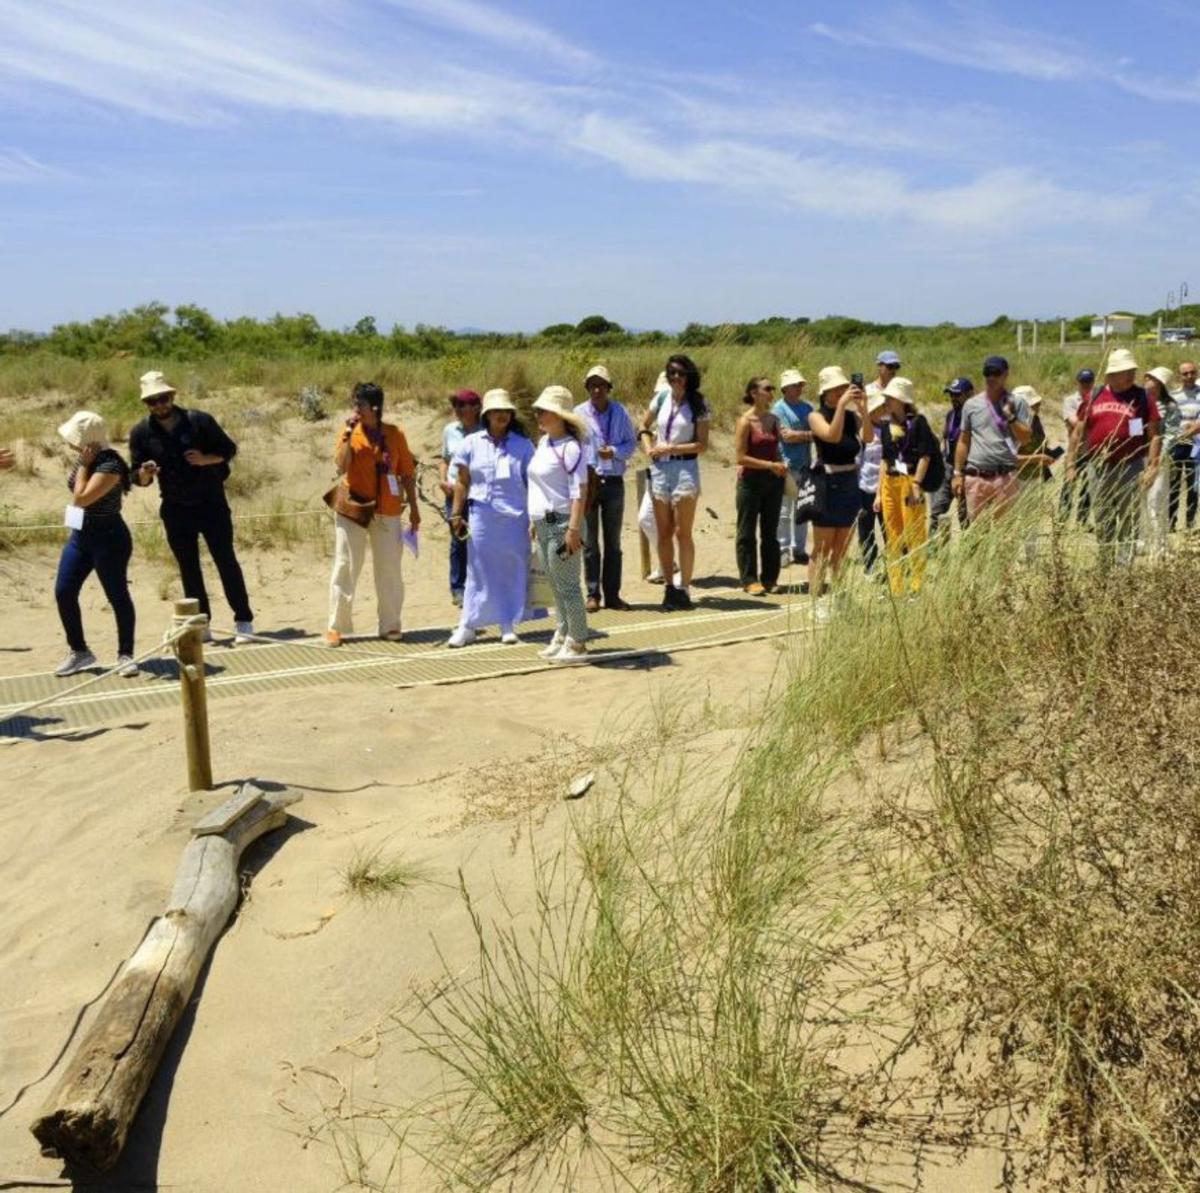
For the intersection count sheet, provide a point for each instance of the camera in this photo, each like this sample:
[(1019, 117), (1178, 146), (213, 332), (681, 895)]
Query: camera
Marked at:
[(856, 379)]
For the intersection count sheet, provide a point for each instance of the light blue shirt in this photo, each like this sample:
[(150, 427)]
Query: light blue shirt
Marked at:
[(453, 433), (794, 418), (614, 428), (486, 462)]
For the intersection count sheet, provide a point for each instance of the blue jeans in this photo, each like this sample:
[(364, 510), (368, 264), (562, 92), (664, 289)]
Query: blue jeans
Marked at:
[(458, 557), (103, 546), (604, 522)]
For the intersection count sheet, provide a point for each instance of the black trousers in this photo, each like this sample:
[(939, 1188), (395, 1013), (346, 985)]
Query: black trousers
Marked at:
[(185, 524), (867, 519), (759, 500), (1183, 489), (602, 548)]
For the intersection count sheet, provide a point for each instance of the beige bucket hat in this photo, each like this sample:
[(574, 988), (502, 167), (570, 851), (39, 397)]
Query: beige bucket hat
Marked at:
[(1163, 375), (831, 377), (1120, 360), (791, 377), (557, 399), (497, 399), (154, 383), (902, 389), (598, 371), (875, 401), (84, 429), (1028, 394)]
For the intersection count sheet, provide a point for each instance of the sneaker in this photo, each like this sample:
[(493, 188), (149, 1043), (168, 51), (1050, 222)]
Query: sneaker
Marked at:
[(553, 646), (126, 668), (77, 660), (393, 636), (755, 589), (802, 558), (510, 638), (243, 633), (456, 597), (592, 604), (463, 636), (785, 557), (333, 638), (668, 602), (655, 577), (617, 603), (683, 599), (572, 652)]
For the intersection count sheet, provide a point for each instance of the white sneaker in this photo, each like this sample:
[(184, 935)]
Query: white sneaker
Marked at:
[(243, 633), (785, 557), (509, 638), (655, 577), (553, 646), (126, 668), (76, 661), (572, 652), (463, 636)]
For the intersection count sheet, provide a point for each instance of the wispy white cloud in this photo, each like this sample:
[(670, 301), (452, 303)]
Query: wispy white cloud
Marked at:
[(18, 166)]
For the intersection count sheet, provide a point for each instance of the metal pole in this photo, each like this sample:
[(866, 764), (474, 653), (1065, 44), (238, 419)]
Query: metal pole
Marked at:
[(189, 649)]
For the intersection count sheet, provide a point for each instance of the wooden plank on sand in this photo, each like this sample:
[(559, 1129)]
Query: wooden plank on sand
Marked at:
[(219, 819)]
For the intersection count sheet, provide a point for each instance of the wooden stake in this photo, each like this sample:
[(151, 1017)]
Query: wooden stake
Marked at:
[(643, 542), (190, 651), (86, 1119)]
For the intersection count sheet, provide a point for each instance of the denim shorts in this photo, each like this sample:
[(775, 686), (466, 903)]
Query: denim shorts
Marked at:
[(675, 480)]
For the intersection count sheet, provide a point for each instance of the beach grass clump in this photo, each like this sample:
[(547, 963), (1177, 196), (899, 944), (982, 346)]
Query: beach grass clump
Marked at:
[(373, 874)]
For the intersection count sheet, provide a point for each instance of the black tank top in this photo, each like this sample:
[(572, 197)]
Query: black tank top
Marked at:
[(845, 451)]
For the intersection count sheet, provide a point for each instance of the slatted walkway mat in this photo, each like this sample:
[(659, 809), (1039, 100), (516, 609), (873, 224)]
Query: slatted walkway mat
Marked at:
[(422, 659)]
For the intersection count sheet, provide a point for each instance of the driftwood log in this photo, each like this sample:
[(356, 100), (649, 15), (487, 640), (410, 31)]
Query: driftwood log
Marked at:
[(87, 1117)]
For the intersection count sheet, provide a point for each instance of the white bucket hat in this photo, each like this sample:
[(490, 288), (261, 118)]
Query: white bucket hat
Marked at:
[(875, 400), (1120, 360), (831, 377), (1028, 394), (1163, 375), (155, 383), (84, 429), (902, 389), (791, 377), (496, 399), (598, 371), (557, 399)]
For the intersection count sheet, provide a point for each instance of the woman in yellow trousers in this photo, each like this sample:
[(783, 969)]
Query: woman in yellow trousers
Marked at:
[(910, 449)]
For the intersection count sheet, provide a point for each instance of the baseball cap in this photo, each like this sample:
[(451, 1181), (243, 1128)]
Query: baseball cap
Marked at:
[(1085, 375), (994, 366), (960, 386), (888, 357)]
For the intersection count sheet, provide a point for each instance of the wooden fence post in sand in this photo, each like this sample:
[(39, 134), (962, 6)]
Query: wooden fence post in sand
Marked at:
[(190, 650), (643, 475), (87, 1118)]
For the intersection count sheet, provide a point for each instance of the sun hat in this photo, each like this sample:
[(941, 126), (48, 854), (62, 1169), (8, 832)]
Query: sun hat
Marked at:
[(1120, 360), (153, 384), (902, 389), (598, 371), (497, 399), (888, 357), (960, 387), (557, 399), (1164, 375), (875, 400), (1028, 394), (1085, 375), (831, 377), (791, 377), (83, 429), (995, 365), (468, 397)]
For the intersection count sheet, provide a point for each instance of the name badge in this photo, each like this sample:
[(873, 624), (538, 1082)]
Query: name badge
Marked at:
[(73, 517), (1136, 426), (1011, 443), (503, 468), (393, 485), (901, 467)]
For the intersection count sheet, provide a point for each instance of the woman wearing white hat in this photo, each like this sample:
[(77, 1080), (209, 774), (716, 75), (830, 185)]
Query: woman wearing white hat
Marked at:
[(100, 542), (840, 427), (490, 498), (1120, 427), (557, 489), (1156, 501)]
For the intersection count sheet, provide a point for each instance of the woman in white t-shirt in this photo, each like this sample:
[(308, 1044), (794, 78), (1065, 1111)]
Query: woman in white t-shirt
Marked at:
[(557, 490), (676, 424)]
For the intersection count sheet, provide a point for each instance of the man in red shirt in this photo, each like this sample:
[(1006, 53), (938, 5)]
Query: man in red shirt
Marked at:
[(1119, 427)]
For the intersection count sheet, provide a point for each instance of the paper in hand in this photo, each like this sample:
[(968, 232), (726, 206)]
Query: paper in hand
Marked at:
[(412, 540), (73, 517)]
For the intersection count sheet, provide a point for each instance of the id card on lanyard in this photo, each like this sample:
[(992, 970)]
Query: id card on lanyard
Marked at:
[(1002, 426)]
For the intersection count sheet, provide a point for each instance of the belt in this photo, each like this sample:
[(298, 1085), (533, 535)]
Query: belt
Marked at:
[(679, 457), (836, 468), (984, 475), (553, 519)]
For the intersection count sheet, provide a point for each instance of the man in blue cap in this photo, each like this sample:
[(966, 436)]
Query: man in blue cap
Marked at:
[(1076, 492), (959, 390), (887, 366), (994, 425)]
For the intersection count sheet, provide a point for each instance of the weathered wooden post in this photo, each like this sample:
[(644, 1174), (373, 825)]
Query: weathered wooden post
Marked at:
[(189, 649), (643, 541), (1020, 337), (1062, 334), (1035, 337)]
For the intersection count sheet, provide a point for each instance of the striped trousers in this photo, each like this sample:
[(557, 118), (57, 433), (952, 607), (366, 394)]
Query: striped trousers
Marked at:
[(564, 575)]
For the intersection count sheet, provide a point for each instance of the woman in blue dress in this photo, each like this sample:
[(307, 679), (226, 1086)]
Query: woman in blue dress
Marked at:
[(490, 494)]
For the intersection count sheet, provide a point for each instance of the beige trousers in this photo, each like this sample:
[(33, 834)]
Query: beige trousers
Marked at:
[(349, 552)]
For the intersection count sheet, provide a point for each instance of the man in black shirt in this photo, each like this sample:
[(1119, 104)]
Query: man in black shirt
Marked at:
[(189, 453)]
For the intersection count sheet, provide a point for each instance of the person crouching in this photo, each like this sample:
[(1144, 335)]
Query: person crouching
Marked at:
[(378, 477)]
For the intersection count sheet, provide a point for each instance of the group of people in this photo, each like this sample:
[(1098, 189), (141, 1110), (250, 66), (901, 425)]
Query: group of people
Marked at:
[(862, 459)]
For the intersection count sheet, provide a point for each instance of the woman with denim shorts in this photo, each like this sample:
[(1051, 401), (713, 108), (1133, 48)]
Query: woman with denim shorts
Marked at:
[(677, 426)]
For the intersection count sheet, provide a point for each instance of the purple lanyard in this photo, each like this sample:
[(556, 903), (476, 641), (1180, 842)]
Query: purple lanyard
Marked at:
[(604, 431), (997, 418), (562, 458)]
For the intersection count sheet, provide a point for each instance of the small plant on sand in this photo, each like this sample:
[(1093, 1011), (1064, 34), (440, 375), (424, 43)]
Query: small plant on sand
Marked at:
[(372, 874)]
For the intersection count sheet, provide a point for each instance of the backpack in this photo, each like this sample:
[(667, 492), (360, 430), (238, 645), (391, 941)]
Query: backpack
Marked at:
[(935, 474)]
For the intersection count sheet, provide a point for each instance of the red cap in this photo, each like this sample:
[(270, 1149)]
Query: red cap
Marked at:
[(466, 396)]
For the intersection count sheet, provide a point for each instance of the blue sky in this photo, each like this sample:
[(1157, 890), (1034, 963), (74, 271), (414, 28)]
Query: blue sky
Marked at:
[(513, 164)]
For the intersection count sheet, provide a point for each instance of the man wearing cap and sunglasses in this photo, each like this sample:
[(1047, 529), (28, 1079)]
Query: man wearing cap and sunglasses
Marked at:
[(958, 391), (613, 441), (189, 453), (887, 367), (994, 425)]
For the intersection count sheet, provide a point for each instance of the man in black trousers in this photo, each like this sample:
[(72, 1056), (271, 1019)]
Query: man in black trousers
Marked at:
[(189, 453)]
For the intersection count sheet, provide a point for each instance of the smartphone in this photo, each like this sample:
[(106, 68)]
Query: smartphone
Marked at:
[(856, 379), (1056, 452)]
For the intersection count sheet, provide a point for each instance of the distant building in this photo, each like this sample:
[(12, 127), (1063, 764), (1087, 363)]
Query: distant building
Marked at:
[(1118, 325)]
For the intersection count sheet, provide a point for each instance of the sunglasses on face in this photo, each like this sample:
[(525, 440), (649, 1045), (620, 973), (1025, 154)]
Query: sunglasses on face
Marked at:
[(158, 400), (767, 389), (673, 373)]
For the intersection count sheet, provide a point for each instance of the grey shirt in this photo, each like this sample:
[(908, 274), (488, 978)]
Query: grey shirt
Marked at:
[(993, 447)]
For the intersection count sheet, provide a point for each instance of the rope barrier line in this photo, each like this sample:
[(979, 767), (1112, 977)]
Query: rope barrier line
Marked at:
[(304, 513)]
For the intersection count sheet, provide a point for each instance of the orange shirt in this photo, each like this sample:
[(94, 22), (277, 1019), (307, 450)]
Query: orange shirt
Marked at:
[(363, 477)]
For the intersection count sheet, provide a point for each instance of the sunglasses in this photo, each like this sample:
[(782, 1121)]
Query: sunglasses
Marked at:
[(767, 389), (157, 400), (675, 373)]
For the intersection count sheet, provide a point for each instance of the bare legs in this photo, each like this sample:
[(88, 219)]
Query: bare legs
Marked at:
[(829, 551)]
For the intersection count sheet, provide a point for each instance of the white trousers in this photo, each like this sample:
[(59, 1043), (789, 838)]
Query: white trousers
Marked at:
[(349, 552)]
